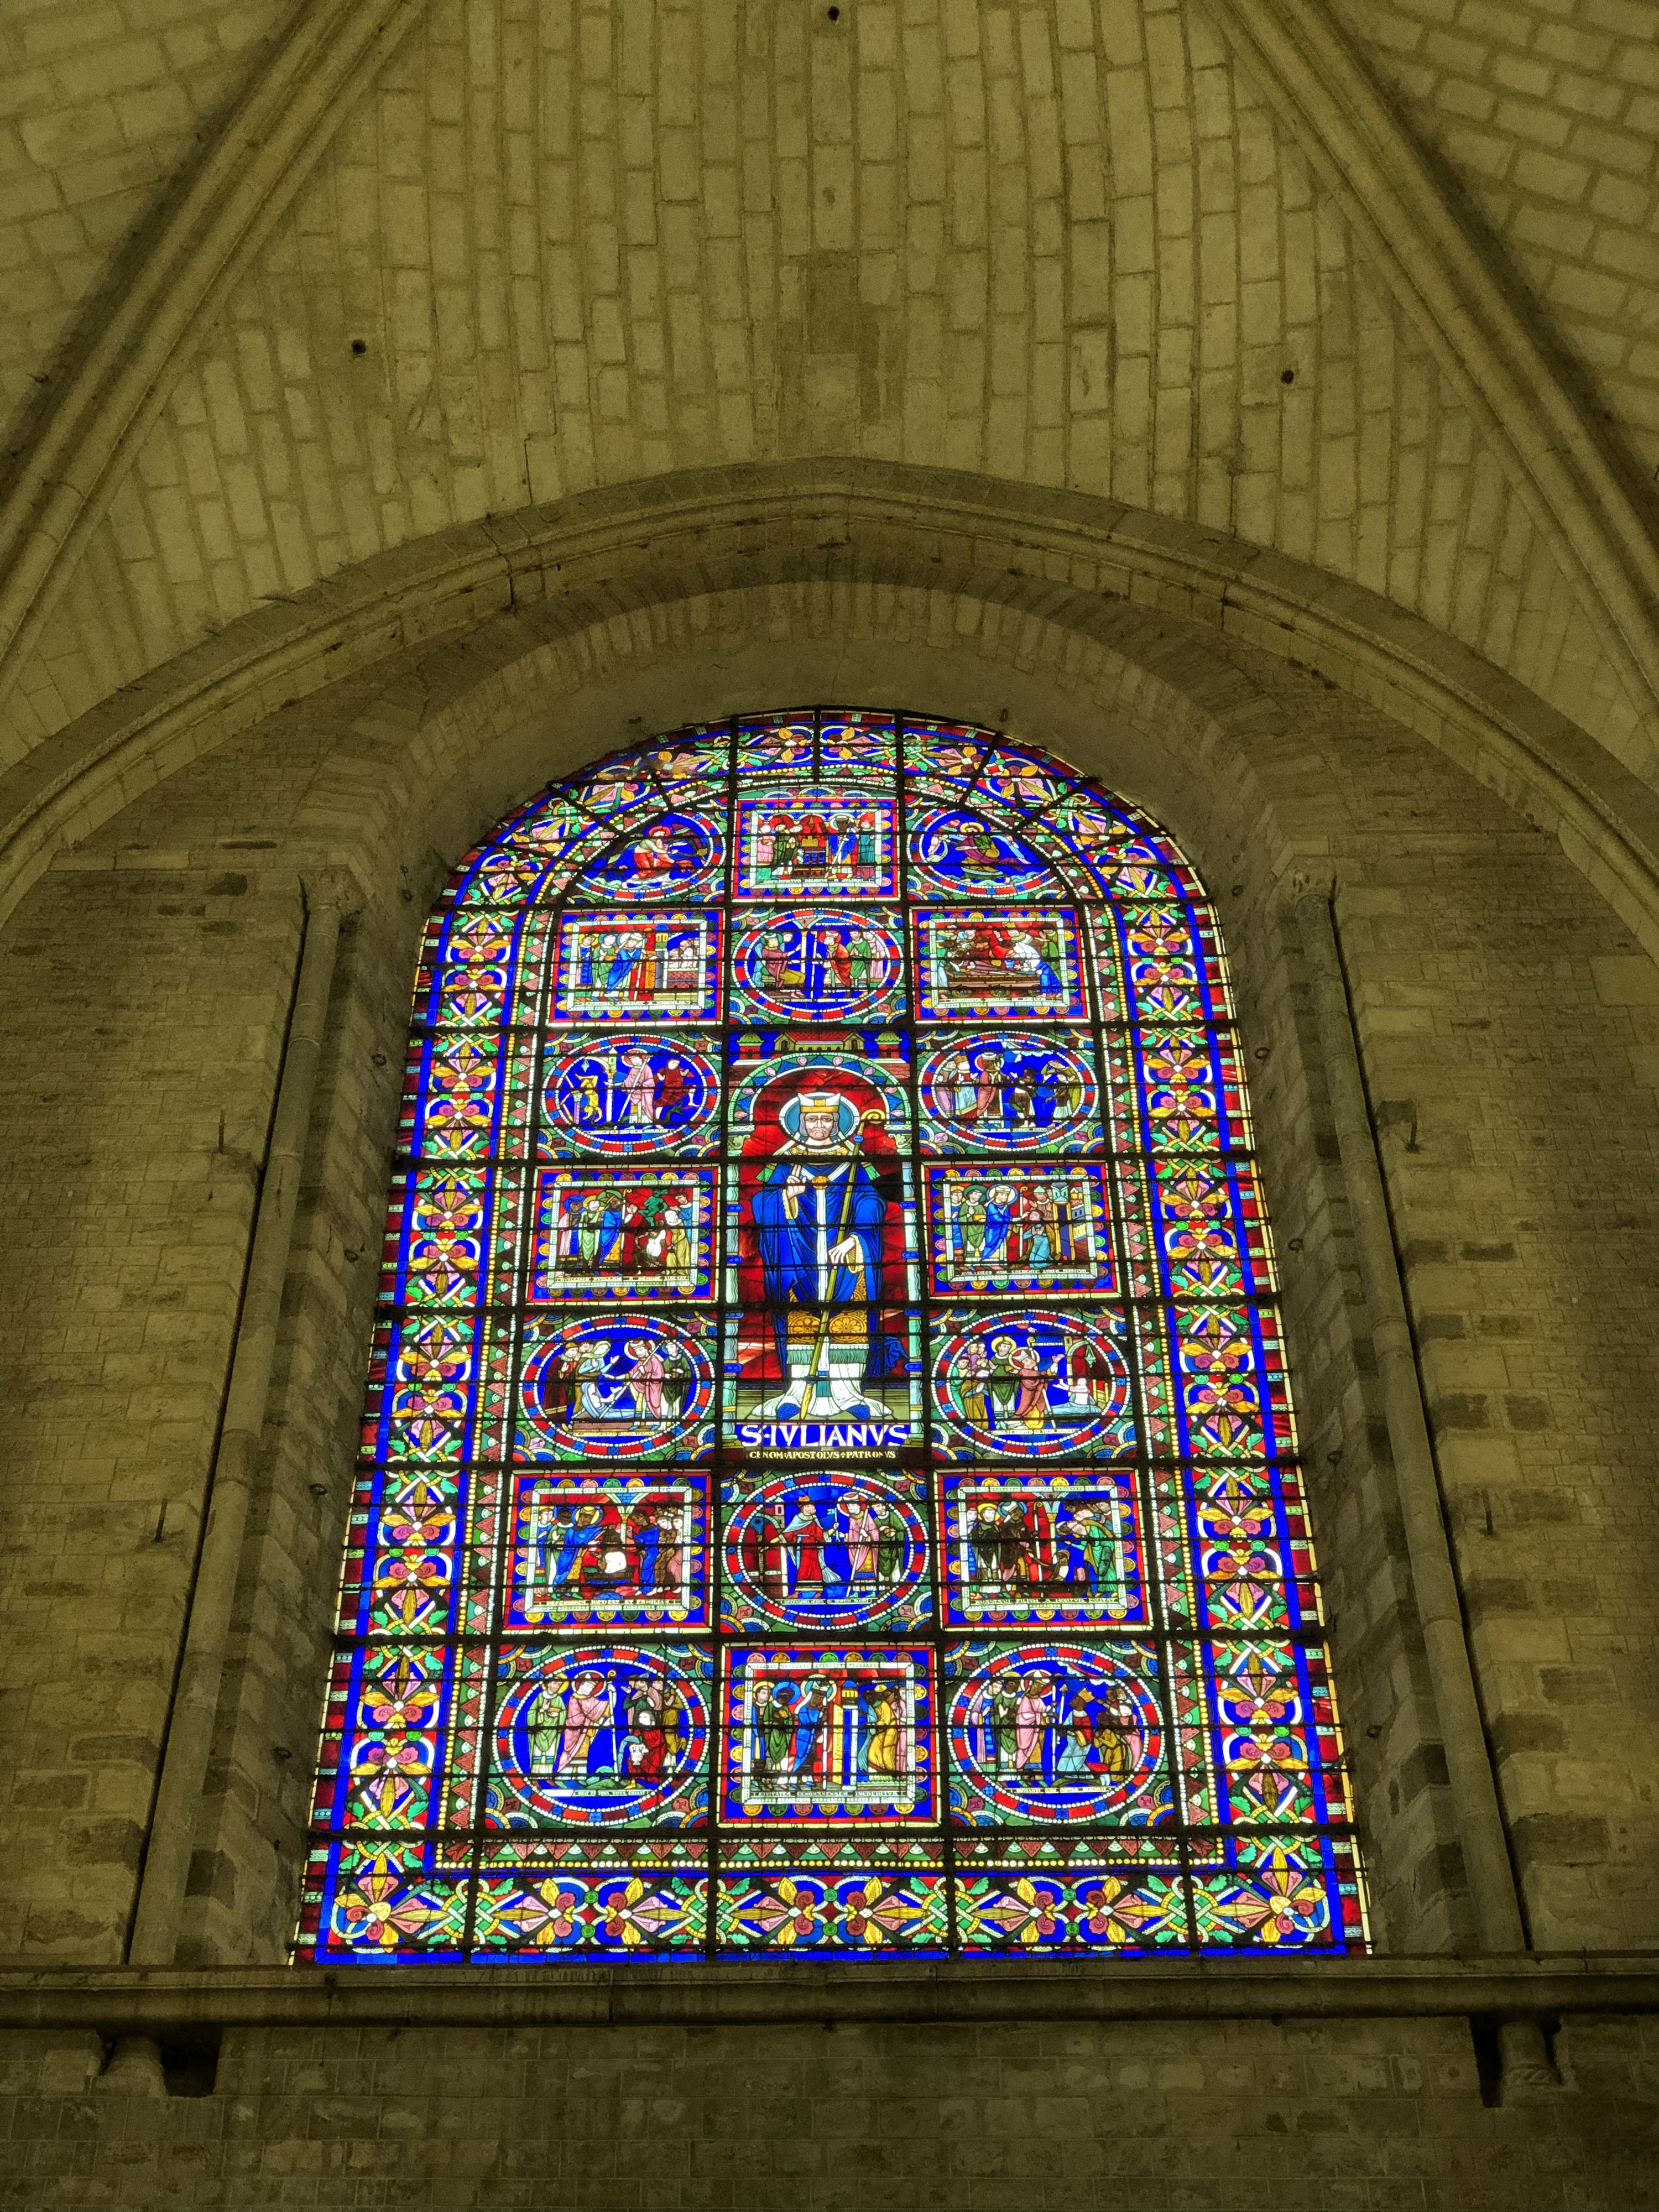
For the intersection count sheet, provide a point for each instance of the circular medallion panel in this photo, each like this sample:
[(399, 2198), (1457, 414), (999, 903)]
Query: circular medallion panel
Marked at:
[(817, 1550), (819, 964), (677, 856), (1009, 1090), (1053, 1732), (965, 855), (602, 1734), (627, 1386), (1031, 1384)]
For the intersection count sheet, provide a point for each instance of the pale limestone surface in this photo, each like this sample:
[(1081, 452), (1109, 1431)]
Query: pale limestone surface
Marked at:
[(1496, 997), (102, 102), (1061, 246), (1547, 112)]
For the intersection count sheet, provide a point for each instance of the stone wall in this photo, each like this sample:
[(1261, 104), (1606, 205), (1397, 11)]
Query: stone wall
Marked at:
[(1506, 1019), (1546, 110), (287, 605), (1336, 2116), (1482, 968), (155, 1010), (553, 247)]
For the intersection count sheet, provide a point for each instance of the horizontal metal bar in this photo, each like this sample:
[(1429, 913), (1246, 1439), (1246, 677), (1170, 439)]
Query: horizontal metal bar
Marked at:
[(121, 2000)]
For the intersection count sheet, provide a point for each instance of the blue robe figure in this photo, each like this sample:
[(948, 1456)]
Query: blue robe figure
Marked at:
[(816, 1198), (610, 1230), (998, 1215), (580, 1532), (798, 1223), (624, 961), (811, 1715), (647, 1537)]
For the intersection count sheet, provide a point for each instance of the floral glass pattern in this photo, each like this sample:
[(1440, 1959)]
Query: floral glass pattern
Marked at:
[(828, 1483)]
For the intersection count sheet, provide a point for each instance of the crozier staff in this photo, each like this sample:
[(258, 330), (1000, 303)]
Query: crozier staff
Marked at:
[(819, 1220)]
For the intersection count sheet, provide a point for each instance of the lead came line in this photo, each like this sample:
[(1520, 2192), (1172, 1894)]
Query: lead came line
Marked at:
[(792, 1800)]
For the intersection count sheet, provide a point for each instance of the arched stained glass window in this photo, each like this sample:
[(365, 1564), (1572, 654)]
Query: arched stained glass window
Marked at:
[(828, 1482)]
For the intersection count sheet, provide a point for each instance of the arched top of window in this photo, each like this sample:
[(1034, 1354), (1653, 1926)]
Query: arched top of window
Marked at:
[(827, 1481)]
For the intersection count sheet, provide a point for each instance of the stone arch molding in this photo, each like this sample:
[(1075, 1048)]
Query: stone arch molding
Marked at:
[(1456, 287), (457, 739), (1483, 331), (421, 712), (844, 547), (418, 768), (418, 762)]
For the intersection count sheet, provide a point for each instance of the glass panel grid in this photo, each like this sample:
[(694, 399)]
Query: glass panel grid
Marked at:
[(829, 1479)]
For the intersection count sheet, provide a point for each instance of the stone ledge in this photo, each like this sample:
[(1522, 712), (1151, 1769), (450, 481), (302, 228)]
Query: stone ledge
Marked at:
[(115, 2000)]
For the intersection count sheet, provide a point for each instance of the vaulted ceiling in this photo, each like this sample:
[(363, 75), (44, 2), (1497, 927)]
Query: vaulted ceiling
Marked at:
[(520, 248)]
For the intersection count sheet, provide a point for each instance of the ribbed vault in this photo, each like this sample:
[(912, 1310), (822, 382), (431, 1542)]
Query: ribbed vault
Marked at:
[(581, 247)]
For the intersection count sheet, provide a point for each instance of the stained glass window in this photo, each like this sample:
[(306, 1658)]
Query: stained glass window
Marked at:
[(828, 1484)]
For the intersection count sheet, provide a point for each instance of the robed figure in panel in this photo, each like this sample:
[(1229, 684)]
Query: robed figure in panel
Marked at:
[(819, 1215)]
